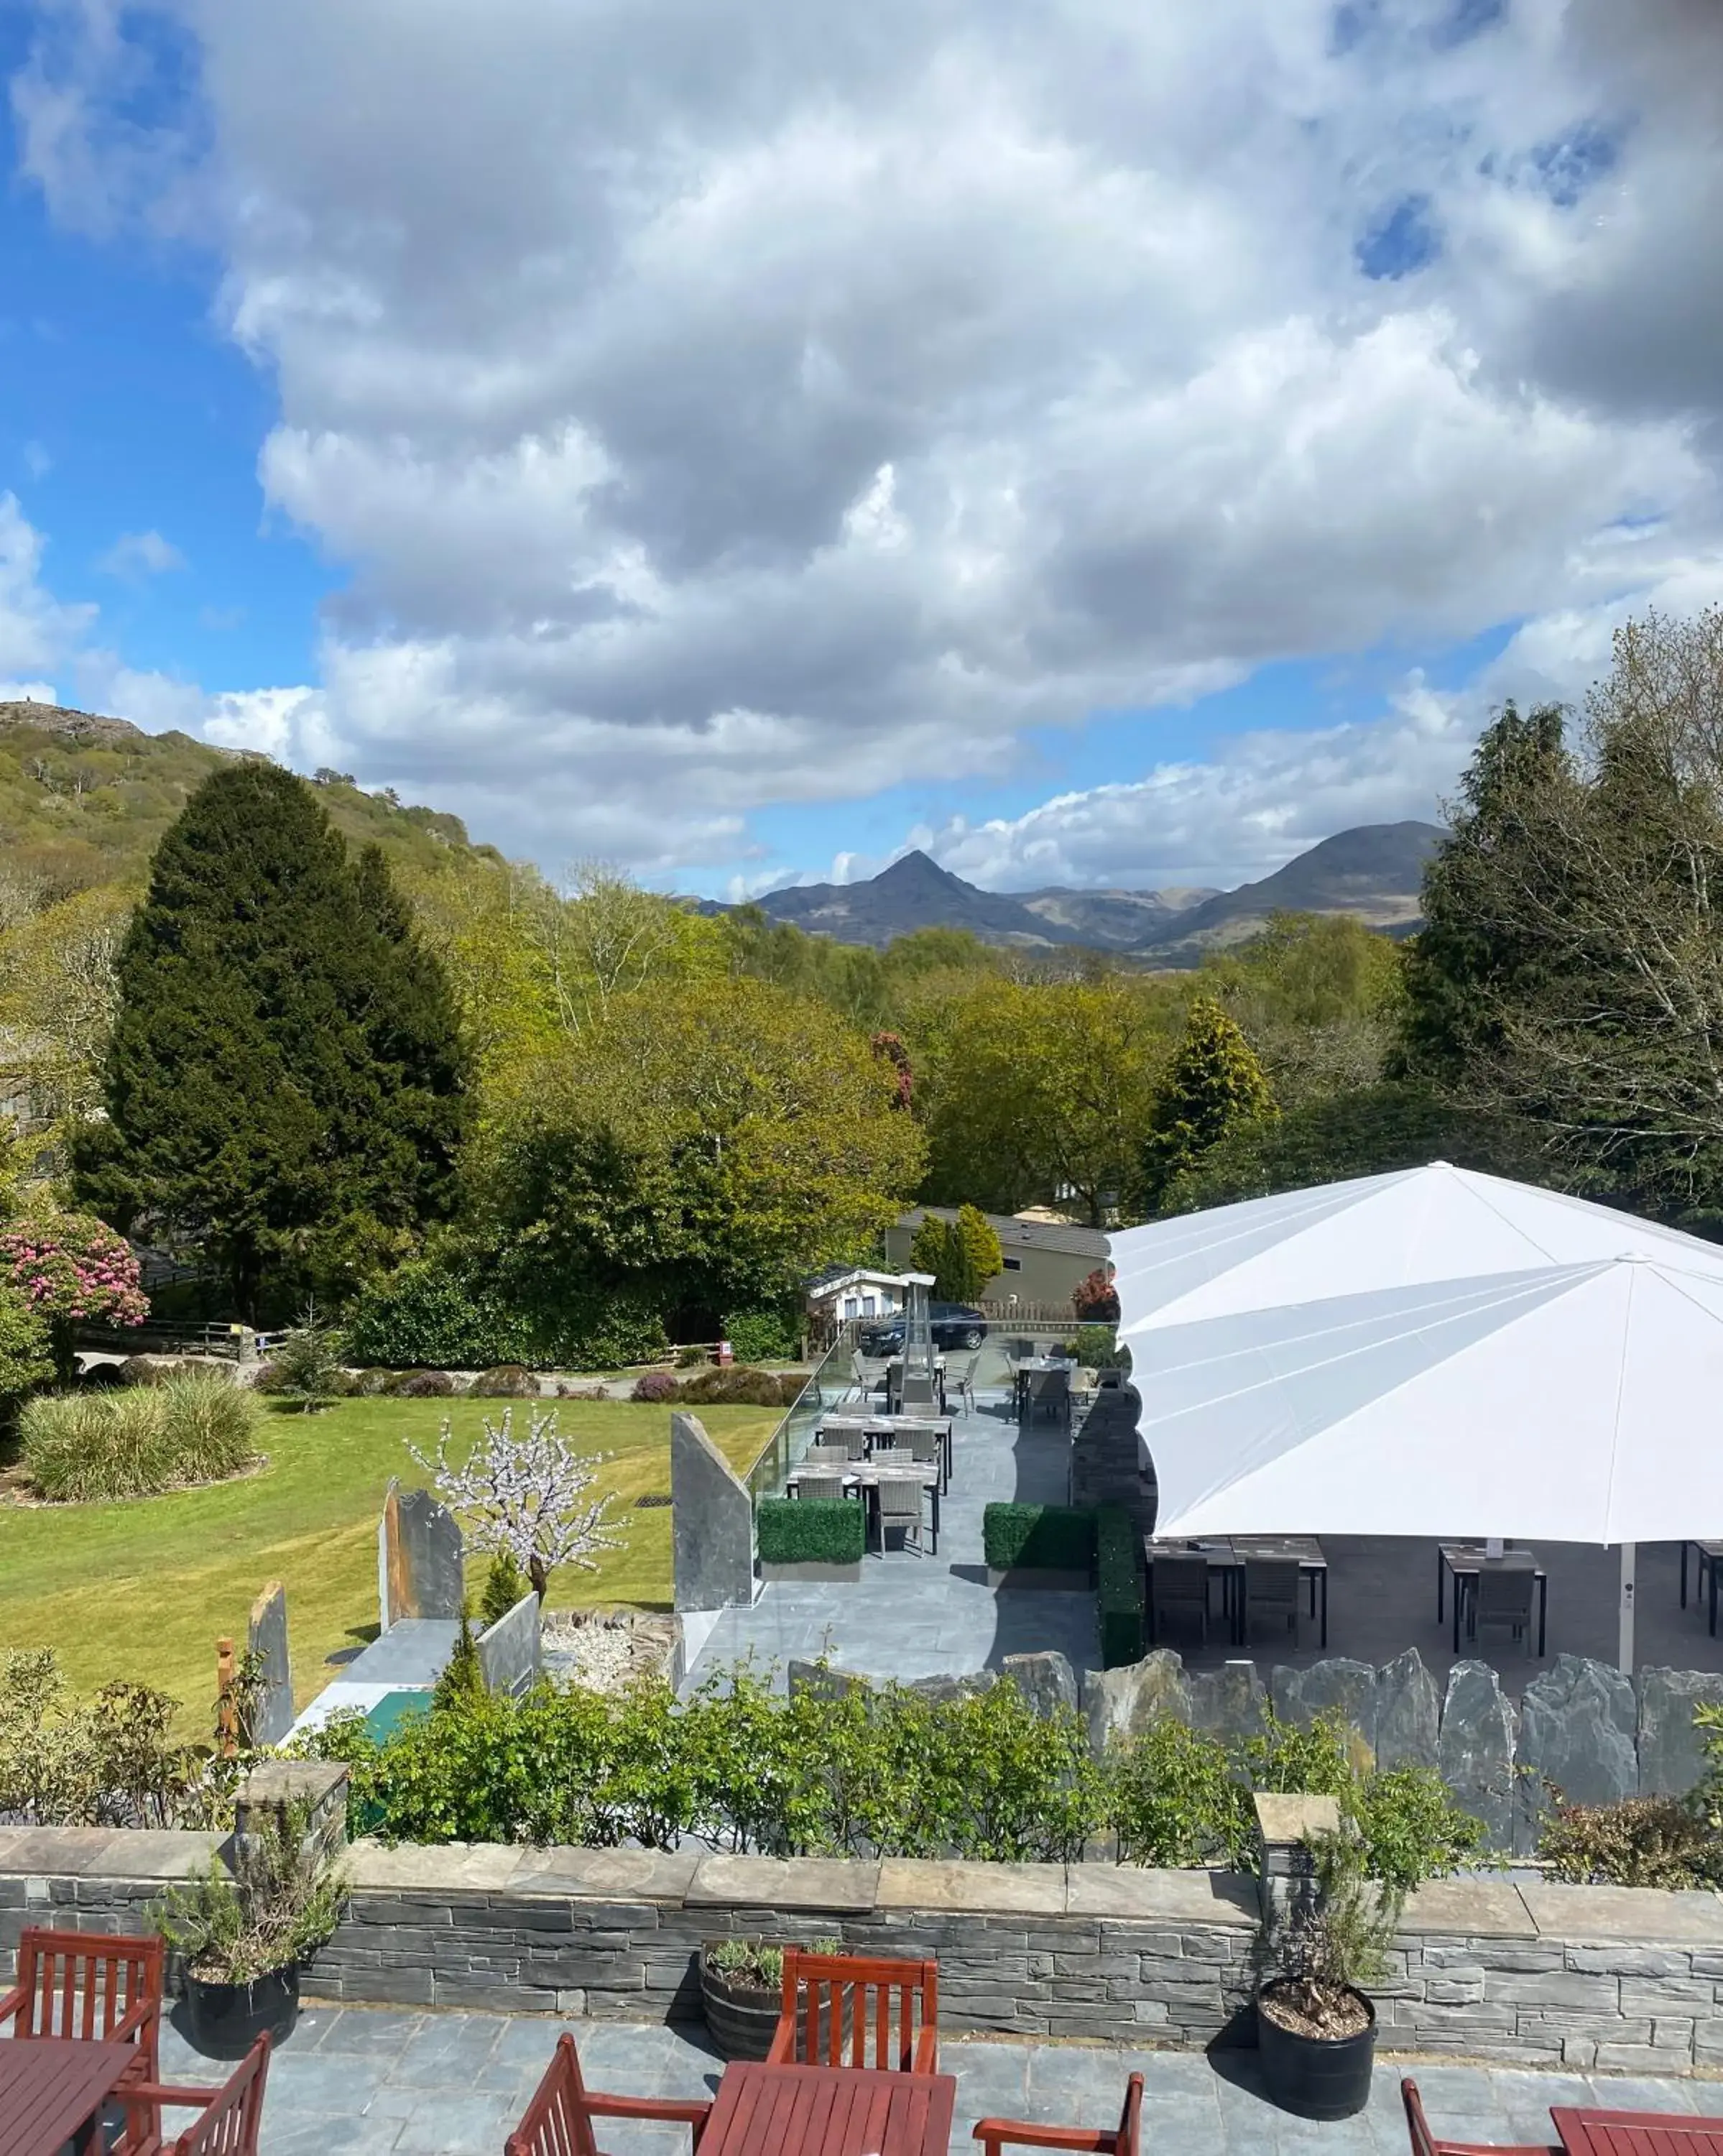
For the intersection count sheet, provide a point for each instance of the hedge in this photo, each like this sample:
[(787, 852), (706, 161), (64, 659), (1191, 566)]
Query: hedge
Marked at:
[(1046, 1538), (1122, 1587), (810, 1531), (764, 1335)]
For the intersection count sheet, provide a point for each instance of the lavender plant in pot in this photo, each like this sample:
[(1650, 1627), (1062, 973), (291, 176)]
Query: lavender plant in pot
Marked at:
[(241, 1933), (1315, 2022)]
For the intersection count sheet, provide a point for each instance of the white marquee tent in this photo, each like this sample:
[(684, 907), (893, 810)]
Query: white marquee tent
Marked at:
[(1416, 1225), (1432, 1354)]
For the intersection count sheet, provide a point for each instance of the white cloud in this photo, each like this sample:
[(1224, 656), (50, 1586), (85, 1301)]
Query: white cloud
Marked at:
[(135, 555), (715, 408), (37, 631)]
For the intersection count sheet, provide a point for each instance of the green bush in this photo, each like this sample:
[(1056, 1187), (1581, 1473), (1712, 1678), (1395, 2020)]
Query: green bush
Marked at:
[(1044, 1537), (82, 1447), (465, 1311), (808, 1530), (1096, 1348), (764, 1335), (1118, 1574), (508, 1381), (740, 1387), (1174, 1799), (1642, 1841), (505, 1585)]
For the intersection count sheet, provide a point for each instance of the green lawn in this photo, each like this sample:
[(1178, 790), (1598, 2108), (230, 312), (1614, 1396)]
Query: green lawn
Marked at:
[(143, 1590)]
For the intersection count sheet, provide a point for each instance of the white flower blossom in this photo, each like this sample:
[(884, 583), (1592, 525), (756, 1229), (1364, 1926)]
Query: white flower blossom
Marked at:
[(525, 1495)]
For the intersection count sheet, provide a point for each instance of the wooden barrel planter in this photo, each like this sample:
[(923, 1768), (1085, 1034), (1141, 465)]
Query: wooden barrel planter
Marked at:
[(741, 2014)]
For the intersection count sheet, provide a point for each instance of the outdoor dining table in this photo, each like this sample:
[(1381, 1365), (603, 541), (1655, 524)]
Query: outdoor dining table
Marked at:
[(862, 1475), (1585, 2132), (1228, 1555), (829, 2111), (1711, 1556), (53, 2088), (870, 1428), (1466, 1560), (1032, 1366)]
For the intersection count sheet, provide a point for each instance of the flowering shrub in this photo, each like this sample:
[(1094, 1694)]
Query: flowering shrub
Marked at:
[(526, 1494), (655, 1386), (70, 1268), (1094, 1298)]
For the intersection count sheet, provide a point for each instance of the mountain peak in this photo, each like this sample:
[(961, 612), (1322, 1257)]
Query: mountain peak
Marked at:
[(915, 870)]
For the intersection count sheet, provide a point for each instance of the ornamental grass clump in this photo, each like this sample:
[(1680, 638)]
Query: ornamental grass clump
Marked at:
[(81, 1448)]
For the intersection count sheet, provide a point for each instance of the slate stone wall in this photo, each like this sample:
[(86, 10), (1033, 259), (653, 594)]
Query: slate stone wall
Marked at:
[(1581, 1728), (1601, 1978)]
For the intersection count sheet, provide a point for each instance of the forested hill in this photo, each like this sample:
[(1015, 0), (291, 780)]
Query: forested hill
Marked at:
[(83, 801)]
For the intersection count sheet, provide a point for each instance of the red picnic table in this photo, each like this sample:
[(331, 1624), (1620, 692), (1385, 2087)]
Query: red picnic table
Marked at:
[(1636, 2132), (52, 2088), (829, 2111)]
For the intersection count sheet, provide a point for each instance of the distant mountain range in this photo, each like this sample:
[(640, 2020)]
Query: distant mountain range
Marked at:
[(1374, 872)]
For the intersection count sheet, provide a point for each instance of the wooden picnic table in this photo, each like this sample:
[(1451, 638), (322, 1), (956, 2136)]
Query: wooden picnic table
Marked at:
[(1587, 2132), (1466, 1560), (1228, 1555), (862, 1475), (52, 2087), (829, 2111)]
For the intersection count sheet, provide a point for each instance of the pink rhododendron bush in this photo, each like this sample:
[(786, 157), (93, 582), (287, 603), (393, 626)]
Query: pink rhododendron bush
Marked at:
[(71, 1269)]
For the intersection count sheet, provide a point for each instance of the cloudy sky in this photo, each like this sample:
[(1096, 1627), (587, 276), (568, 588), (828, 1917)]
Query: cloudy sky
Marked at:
[(1100, 443)]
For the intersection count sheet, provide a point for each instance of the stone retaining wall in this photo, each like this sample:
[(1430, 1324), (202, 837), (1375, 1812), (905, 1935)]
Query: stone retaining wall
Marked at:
[(1595, 1977)]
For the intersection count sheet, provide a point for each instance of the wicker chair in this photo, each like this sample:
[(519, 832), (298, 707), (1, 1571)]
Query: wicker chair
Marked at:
[(1271, 1592), (1502, 1598), (1178, 1595), (901, 1505), (819, 1489)]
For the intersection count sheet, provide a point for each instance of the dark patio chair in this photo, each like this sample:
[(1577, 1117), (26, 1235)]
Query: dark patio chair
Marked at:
[(845, 2010), (1425, 2143), (1178, 1595), (1271, 1596), (1049, 1396), (558, 2121), (1126, 2139), (229, 2118), (1502, 1598)]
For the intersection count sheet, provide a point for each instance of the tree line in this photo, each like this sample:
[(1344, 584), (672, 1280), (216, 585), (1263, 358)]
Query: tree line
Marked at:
[(485, 1118)]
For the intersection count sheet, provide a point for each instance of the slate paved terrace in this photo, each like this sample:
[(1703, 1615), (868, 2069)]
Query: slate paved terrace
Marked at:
[(915, 1616), (918, 1617), (359, 2082)]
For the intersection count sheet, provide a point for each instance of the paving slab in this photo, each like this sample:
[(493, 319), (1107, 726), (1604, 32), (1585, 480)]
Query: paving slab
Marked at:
[(922, 1883), (1121, 1889), (474, 1867), (1646, 1915), (1481, 1908)]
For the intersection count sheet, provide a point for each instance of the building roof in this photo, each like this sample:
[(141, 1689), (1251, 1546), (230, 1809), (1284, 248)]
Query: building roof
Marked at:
[(1065, 1240)]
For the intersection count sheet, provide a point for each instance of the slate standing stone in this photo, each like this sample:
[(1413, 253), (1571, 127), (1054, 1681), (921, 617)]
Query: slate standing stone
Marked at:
[(1230, 1702), (425, 1575), (821, 1679), (1408, 1713), (1578, 1721), (1126, 1702), (1046, 1681), (1338, 1689), (1671, 1761), (712, 1522), (267, 1638), (508, 1649), (1475, 1752)]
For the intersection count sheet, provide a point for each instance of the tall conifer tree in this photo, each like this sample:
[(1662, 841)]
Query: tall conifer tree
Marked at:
[(286, 1082)]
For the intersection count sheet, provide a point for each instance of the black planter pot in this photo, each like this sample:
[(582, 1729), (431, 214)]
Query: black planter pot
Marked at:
[(1315, 2076), (741, 2017), (227, 2018)]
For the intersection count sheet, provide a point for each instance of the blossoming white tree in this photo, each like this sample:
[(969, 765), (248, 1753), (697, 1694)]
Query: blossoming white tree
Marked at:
[(527, 1495)]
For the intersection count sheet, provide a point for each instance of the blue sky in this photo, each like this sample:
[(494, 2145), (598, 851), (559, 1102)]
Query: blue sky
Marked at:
[(1110, 451)]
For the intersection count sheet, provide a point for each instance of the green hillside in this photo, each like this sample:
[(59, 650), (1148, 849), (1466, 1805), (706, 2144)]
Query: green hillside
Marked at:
[(83, 801)]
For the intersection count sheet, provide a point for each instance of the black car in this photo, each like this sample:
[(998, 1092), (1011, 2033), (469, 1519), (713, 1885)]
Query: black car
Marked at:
[(955, 1325)]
